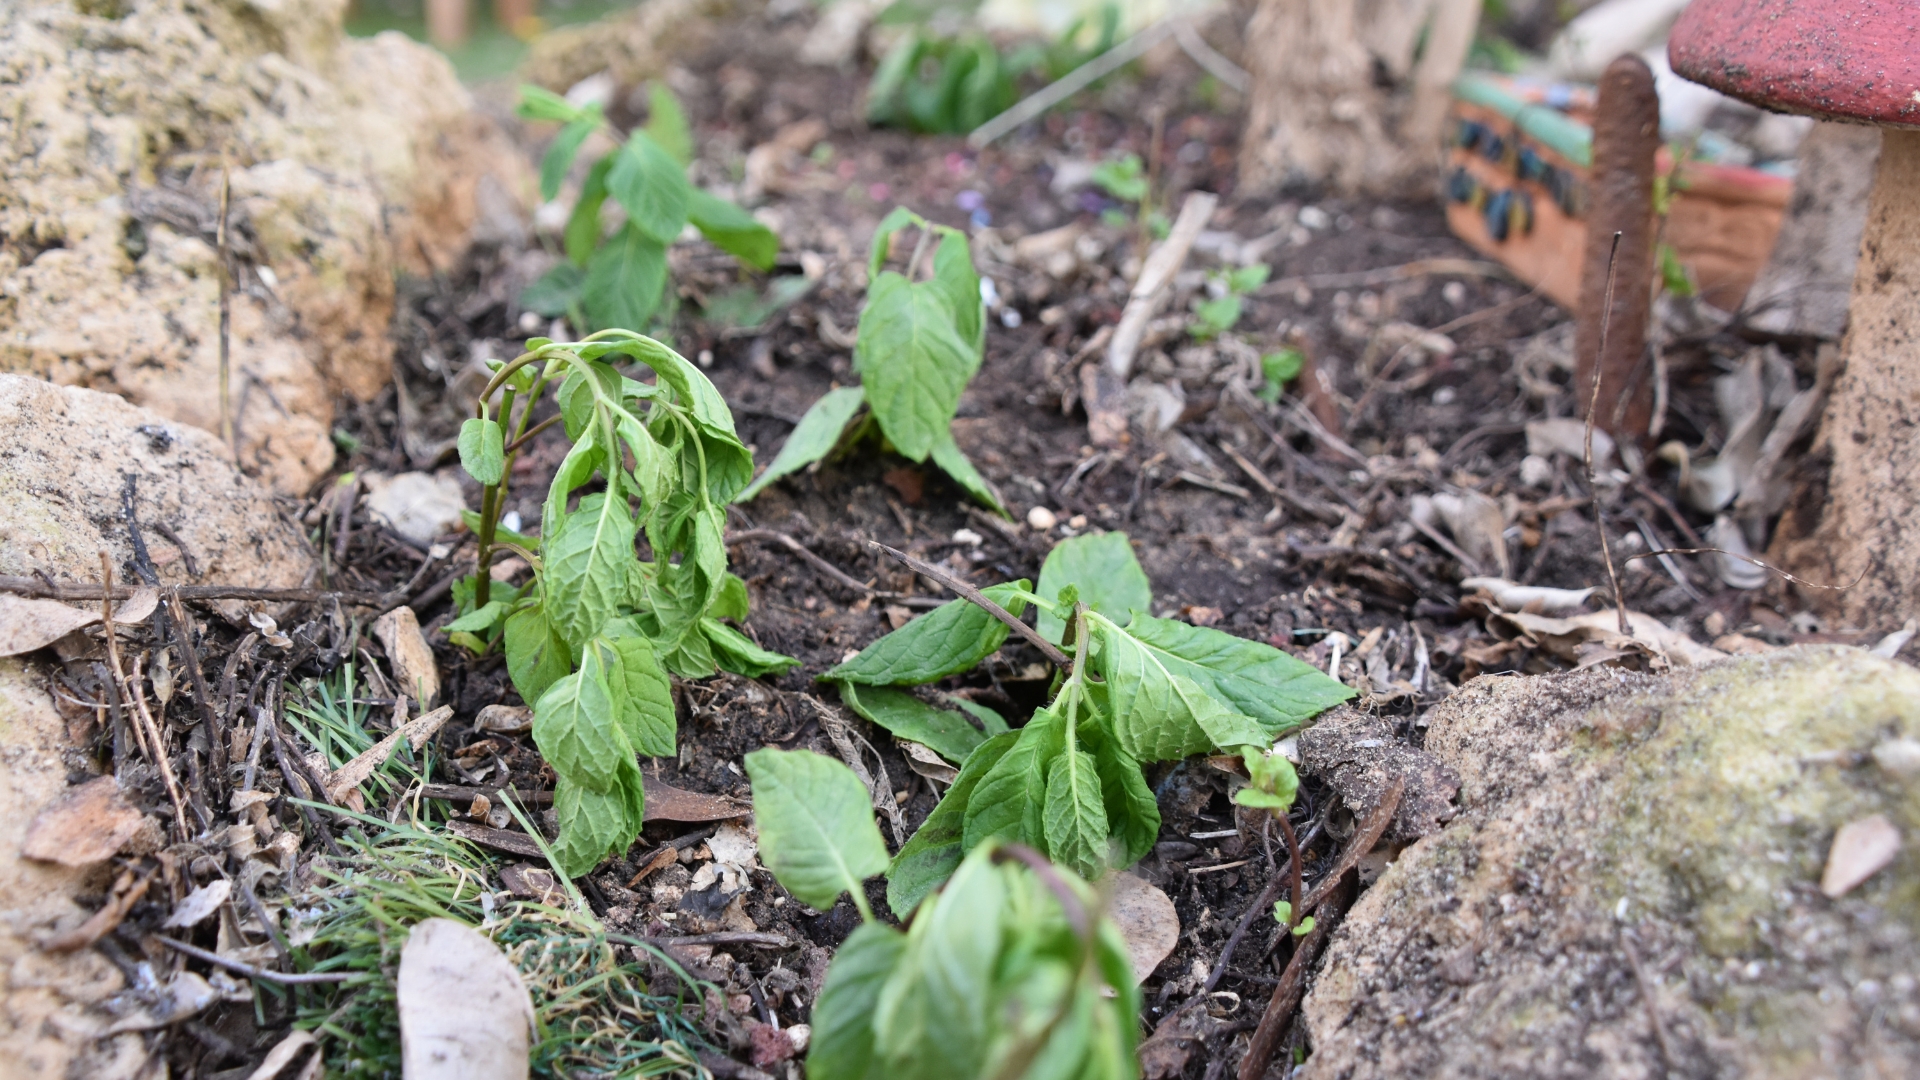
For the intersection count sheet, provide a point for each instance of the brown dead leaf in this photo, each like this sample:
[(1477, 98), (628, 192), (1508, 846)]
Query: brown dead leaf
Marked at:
[(1595, 638), (668, 803), (282, 1055), (194, 908), (399, 633), (531, 882), (416, 731), (464, 1013), (504, 719), (1860, 850), (1147, 920), (86, 825), (770, 1044), (910, 484), (928, 763), (27, 624)]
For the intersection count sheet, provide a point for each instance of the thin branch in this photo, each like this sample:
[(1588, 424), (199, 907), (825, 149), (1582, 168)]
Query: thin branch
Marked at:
[(1363, 840), (1047, 648), (251, 972), (1286, 997), (1803, 582), (818, 563), (35, 586), (1593, 408), (1260, 905)]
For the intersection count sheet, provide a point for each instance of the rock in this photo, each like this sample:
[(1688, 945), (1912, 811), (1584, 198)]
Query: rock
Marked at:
[(418, 506), (351, 159), (1358, 754), (1628, 843), (86, 825), (629, 46)]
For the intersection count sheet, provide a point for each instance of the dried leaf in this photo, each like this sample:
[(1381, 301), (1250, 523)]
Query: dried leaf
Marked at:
[(668, 803), (416, 731), (464, 1013), (1477, 525), (1568, 436), (27, 624), (1860, 850), (185, 995), (1535, 598), (927, 762), (282, 1055), (413, 665), (1147, 919), (504, 719), (86, 825), (200, 903)]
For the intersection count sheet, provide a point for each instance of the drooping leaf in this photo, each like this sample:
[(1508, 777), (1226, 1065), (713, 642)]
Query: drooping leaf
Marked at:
[(596, 824), (625, 277), (587, 559), (667, 124), (1158, 714), (584, 227), (1010, 802), (912, 361), (954, 462), (945, 732), (481, 619), (554, 292), (642, 693), (1133, 814), (945, 641), (1249, 677), (929, 855), (733, 230), (576, 730), (1076, 814), (651, 187), (842, 1039), (932, 1015), (1102, 566), (953, 270), (736, 652), (817, 832), (483, 450), (816, 434), (559, 156), (733, 602), (536, 653)]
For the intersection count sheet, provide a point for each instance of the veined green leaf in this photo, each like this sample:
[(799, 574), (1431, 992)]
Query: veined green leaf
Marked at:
[(1102, 566), (625, 277), (945, 732), (733, 230), (536, 654), (1010, 802), (587, 559), (954, 462), (953, 271), (650, 459), (483, 450), (733, 602), (737, 653), (1158, 714), (842, 1042), (949, 639), (1274, 783), (480, 619), (932, 1015), (912, 361), (1133, 814), (575, 469), (816, 434), (584, 227), (1249, 677), (575, 728), (554, 292), (1076, 814), (667, 124), (539, 103), (559, 156), (596, 824), (651, 187), (817, 832), (929, 856), (642, 693), (991, 722)]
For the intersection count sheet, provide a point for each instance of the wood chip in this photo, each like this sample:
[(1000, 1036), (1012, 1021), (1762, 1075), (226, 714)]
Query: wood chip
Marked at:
[(86, 825), (416, 731), (413, 665), (513, 843)]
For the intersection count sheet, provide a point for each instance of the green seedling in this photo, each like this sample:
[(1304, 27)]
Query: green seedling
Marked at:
[(1220, 312), (1133, 689), (620, 279), (1125, 179), (919, 344), (1283, 913), (591, 640), (1011, 971), (1277, 369)]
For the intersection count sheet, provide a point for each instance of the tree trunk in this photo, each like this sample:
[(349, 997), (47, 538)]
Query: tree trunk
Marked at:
[(1340, 99), (1860, 520)]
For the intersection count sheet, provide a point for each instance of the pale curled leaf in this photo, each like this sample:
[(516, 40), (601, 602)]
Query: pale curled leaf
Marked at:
[(464, 1013), (817, 832), (1860, 850), (27, 624)]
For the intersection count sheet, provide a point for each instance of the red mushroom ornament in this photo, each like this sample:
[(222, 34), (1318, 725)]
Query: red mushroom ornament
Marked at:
[(1856, 512)]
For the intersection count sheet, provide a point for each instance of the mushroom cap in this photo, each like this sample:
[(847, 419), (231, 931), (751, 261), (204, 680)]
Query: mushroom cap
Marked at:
[(1853, 60)]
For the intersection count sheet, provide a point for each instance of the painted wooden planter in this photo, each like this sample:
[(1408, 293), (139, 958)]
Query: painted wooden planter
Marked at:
[(1515, 187)]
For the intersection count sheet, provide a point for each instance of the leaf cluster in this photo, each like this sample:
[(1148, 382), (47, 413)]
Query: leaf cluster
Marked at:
[(1220, 312), (619, 278), (919, 344), (591, 641), (1009, 972)]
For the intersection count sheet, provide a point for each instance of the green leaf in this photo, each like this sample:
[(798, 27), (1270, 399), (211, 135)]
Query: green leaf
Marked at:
[(842, 1041), (945, 641), (483, 450), (596, 824), (897, 218), (913, 362), (1076, 814), (1158, 714), (1010, 802), (1250, 677), (953, 271), (991, 722), (733, 230), (651, 187), (932, 1017), (944, 731), (575, 728), (816, 825), (1216, 316), (480, 619), (1133, 814), (733, 602), (560, 155), (500, 534), (953, 461), (1245, 279), (1124, 179), (1274, 783), (890, 77), (929, 855), (554, 292), (816, 434), (536, 654), (737, 653), (584, 227), (667, 124), (1103, 568), (539, 103), (642, 693), (587, 561), (625, 277)]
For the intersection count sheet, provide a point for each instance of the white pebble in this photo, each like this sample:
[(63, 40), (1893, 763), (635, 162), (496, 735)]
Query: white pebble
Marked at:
[(1042, 518)]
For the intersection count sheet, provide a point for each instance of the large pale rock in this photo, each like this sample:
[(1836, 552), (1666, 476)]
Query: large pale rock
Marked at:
[(350, 159), (65, 456), (629, 46), (1684, 821)]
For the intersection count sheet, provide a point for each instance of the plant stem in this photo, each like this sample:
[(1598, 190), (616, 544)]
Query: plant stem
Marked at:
[(1294, 856)]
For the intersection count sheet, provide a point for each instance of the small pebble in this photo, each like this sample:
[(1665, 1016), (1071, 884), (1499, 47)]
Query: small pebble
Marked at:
[(1042, 518)]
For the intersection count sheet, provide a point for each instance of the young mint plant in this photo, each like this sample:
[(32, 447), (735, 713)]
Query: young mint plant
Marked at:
[(919, 344), (1136, 689), (590, 642), (618, 280), (1220, 312), (1277, 369), (1011, 971)]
